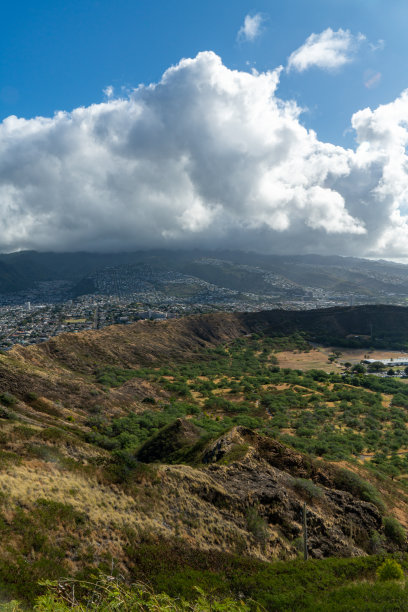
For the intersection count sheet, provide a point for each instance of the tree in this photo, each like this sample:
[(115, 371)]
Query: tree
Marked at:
[(358, 369), (376, 366)]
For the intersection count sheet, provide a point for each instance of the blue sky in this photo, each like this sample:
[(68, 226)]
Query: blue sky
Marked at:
[(60, 55), (285, 131)]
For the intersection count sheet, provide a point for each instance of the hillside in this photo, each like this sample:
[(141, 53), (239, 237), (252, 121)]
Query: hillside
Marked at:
[(361, 326), (278, 276), (185, 436)]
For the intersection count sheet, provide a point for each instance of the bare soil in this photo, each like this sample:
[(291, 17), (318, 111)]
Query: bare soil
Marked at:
[(318, 358)]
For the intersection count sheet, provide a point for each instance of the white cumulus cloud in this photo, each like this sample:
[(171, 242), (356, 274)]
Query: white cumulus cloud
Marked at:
[(251, 28), (208, 157), (328, 50)]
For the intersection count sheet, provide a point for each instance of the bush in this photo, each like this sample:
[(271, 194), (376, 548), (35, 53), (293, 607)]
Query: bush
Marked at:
[(236, 453), (307, 488), (51, 513), (54, 434), (6, 414), (376, 366), (8, 458), (390, 570), (257, 525), (23, 432), (376, 543), (354, 484), (394, 530), (8, 399), (31, 396)]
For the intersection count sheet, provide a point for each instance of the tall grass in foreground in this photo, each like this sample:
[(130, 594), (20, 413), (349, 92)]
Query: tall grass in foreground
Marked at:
[(107, 594)]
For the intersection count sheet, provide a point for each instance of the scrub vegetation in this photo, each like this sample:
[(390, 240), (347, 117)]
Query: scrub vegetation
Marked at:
[(184, 474), (334, 416)]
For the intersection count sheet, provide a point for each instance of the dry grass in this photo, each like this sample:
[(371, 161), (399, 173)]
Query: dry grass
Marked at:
[(173, 505), (318, 358), (103, 505)]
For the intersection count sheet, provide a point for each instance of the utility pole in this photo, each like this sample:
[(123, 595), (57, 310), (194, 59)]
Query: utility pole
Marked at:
[(305, 553)]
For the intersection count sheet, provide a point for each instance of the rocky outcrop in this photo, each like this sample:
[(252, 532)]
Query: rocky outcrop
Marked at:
[(277, 481)]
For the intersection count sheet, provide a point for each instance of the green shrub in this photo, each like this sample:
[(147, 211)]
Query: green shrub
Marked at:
[(112, 376), (47, 453), (376, 543), (390, 570), (51, 512), (31, 396), (46, 407), (394, 530), (307, 488), (8, 458), (23, 432), (362, 597), (8, 399), (354, 484), (6, 414), (54, 434), (236, 453), (257, 525)]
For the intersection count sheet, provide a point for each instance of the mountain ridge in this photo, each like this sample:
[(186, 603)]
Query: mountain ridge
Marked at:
[(285, 275)]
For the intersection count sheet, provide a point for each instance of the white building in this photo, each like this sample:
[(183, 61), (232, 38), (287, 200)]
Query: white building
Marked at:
[(396, 361)]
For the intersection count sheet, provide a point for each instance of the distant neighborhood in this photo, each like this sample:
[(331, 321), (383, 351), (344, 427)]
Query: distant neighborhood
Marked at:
[(154, 289)]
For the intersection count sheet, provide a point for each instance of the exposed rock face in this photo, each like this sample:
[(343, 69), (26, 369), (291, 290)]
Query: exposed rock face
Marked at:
[(269, 478)]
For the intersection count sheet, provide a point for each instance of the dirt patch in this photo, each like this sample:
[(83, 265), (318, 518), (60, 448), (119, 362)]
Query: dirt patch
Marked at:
[(317, 359), (198, 397), (223, 391), (386, 400)]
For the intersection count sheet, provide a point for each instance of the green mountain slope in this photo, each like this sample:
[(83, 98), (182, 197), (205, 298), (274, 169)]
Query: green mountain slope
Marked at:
[(288, 276)]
